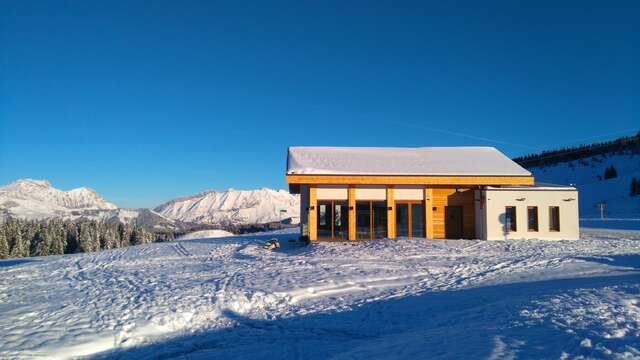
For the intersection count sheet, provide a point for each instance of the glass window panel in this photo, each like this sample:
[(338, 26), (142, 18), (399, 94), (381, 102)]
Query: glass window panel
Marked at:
[(402, 219), (324, 224), (341, 221), (532, 218), (363, 226), (379, 219), (510, 219), (554, 218), (417, 220)]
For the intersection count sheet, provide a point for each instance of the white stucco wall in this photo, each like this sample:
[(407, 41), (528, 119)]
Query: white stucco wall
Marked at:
[(497, 200)]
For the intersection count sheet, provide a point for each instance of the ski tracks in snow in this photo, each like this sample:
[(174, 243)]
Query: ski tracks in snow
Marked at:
[(80, 304)]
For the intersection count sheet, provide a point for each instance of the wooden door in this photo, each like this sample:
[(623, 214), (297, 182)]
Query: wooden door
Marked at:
[(453, 222)]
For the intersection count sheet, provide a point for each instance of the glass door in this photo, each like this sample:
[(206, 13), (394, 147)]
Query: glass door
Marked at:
[(410, 219), (371, 220), (333, 220)]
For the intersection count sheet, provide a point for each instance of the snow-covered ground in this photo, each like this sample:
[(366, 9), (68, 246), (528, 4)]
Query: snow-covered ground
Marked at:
[(205, 234), (230, 298)]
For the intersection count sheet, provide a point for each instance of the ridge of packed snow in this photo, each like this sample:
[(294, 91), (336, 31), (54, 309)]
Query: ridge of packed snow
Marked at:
[(233, 207)]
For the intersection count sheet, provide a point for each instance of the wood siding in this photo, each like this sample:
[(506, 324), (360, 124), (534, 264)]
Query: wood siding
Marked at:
[(351, 198), (313, 213), (450, 197), (428, 212), (391, 213)]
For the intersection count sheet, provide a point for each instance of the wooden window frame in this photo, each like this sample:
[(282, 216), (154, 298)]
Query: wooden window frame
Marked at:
[(515, 219), (550, 217), (537, 229)]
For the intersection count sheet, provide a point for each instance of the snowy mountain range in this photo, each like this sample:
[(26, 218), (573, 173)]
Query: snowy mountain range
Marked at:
[(233, 207), (37, 199)]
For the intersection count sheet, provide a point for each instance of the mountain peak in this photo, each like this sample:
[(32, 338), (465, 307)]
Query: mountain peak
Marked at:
[(29, 198), (233, 207), (28, 181)]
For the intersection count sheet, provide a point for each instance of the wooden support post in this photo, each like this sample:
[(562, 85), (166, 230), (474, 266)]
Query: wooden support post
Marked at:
[(428, 212), (351, 198), (313, 213), (391, 213)]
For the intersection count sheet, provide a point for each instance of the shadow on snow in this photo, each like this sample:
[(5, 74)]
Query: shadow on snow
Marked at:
[(483, 322)]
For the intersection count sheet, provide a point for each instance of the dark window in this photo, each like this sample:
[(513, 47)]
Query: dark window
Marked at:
[(554, 218), (363, 220), (417, 220), (402, 219), (510, 219), (379, 219), (532, 218)]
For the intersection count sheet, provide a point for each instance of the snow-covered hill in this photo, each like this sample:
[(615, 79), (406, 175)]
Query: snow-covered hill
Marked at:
[(37, 199), (234, 207), (585, 174)]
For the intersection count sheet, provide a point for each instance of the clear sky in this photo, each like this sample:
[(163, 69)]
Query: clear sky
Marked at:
[(146, 101)]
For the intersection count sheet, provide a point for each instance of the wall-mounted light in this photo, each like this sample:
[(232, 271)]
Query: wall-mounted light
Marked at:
[(350, 207), (390, 208), (569, 199), (434, 208), (521, 199), (311, 208)]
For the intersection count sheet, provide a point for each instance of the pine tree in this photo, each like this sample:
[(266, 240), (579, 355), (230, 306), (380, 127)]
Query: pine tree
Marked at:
[(4, 245), (17, 244), (40, 242)]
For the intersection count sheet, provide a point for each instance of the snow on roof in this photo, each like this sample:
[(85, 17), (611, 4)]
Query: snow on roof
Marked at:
[(536, 186), (439, 161)]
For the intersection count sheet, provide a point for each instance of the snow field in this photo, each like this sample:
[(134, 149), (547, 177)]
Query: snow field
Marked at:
[(228, 297)]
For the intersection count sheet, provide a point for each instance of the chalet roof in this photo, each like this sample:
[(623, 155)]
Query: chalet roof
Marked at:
[(436, 161)]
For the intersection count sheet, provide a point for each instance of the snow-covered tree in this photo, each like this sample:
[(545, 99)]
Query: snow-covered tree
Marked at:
[(4, 245)]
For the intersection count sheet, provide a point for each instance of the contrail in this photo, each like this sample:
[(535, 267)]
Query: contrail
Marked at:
[(469, 136)]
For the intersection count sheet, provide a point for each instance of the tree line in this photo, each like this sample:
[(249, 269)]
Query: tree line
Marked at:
[(24, 238), (626, 144)]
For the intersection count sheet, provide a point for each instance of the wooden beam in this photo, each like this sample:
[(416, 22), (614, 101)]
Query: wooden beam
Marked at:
[(409, 180), (391, 213), (351, 199), (428, 212), (313, 213)]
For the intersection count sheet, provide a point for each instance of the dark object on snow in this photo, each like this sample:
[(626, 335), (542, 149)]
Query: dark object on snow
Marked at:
[(272, 244)]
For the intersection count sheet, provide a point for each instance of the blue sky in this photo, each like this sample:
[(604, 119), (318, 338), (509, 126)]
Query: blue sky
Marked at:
[(146, 101)]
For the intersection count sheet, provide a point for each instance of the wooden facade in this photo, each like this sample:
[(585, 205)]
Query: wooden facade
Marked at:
[(411, 192), (440, 202)]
